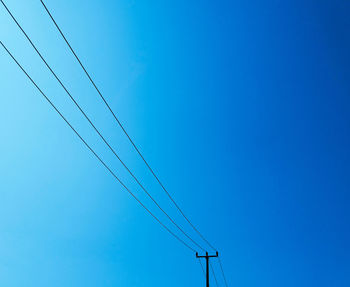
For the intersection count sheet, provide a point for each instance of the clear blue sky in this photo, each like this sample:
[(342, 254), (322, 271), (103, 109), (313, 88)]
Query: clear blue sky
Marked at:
[(242, 108)]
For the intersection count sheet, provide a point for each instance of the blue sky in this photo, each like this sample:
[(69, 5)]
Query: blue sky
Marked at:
[(241, 107)]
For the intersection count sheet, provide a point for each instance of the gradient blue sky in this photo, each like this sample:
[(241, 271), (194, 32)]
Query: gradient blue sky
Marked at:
[(242, 107)]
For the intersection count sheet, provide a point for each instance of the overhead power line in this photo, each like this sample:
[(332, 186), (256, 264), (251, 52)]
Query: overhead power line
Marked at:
[(213, 271), (200, 262), (97, 131), (222, 270), (124, 130), (92, 150)]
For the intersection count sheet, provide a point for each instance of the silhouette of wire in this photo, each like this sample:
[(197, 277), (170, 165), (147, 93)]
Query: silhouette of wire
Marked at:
[(94, 153), (222, 270), (212, 270), (98, 132), (122, 127), (200, 262)]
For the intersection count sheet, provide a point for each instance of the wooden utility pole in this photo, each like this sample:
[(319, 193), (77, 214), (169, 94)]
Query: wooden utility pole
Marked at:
[(206, 256)]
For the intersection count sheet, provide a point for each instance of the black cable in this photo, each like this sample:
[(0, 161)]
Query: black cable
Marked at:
[(212, 270), (94, 153), (222, 270), (122, 127), (97, 131), (200, 262)]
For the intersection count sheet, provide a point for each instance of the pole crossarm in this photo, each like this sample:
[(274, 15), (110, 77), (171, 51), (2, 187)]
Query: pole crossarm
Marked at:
[(205, 256)]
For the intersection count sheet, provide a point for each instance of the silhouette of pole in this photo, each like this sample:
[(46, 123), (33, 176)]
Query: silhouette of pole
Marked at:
[(207, 256)]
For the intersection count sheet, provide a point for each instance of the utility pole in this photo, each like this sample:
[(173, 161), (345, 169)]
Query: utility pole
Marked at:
[(206, 256)]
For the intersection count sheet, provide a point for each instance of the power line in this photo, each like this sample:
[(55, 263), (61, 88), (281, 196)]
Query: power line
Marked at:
[(94, 153), (212, 270), (222, 270), (200, 262), (97, 131), (122, 127)]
